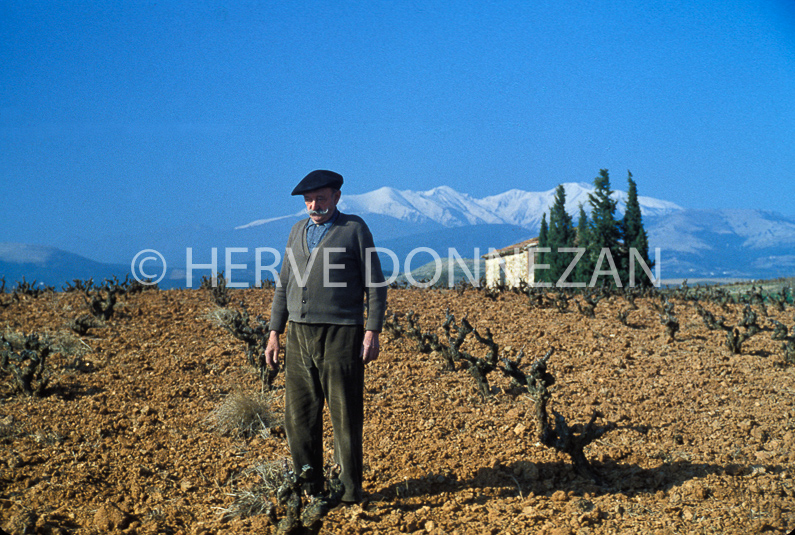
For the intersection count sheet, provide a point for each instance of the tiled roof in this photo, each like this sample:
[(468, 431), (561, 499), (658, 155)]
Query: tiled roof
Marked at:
[(513, 249)]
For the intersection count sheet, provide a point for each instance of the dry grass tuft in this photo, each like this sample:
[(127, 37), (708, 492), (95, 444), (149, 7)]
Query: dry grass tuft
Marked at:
[(221, 317), (242, 414), (248, 503), (272, 473), (257, 500)]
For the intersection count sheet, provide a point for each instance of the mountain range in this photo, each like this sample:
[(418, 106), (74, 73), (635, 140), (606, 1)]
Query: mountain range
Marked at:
[(689, 243)]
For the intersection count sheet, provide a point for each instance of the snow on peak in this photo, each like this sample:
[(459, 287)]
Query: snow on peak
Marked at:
[(259, 222), (451, 208)]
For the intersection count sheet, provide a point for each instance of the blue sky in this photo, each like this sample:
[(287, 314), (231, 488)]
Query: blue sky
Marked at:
[(146, 115)]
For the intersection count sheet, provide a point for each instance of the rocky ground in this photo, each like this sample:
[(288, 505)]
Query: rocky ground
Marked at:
[(122, 439)]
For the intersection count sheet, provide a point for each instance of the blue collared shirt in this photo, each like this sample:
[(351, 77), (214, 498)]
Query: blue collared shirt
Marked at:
[(315, 233)]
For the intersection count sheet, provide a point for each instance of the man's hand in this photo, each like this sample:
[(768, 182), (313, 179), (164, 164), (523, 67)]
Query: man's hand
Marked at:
[(370, 347), (272, 350)]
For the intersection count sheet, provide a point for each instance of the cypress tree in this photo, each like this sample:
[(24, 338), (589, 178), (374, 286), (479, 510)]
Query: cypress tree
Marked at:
[(561, 235), (584, 268), (635, 237), (542, 275), (606, 236)]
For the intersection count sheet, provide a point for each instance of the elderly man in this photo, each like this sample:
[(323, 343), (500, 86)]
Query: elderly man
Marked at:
[(330, 266)]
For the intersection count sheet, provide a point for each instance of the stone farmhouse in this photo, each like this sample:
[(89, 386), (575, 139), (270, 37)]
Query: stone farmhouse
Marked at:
[(510, 265)]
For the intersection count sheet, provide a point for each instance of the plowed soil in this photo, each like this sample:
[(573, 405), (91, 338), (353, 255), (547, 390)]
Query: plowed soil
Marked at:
[(120, 442)]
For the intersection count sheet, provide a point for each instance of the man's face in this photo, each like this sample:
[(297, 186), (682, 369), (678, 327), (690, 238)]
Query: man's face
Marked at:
[(321, 204)]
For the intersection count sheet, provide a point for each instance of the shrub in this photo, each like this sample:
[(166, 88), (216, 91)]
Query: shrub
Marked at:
[(81, 324), (255, 338), (32, 289), (571, 440), (23, 357), (217, 288)]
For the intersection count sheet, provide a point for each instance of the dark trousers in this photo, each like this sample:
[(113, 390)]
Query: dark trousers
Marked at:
[(323, 365)]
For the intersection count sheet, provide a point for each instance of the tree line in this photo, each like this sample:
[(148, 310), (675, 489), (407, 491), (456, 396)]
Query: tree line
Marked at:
[(599, 249)]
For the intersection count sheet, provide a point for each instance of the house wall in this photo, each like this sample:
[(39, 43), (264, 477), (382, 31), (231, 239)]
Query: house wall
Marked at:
[(493, 273), (515, 269)]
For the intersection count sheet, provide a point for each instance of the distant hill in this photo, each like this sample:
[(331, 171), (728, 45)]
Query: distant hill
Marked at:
[(739, 243), (48, 266), (465, 269)]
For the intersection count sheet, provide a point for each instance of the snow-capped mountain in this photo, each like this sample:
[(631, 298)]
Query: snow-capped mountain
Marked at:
[(727, 243), (449, 208), (693, 243), (442, 205)]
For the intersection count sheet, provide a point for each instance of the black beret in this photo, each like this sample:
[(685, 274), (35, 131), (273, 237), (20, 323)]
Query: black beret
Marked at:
[(318, 179)]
